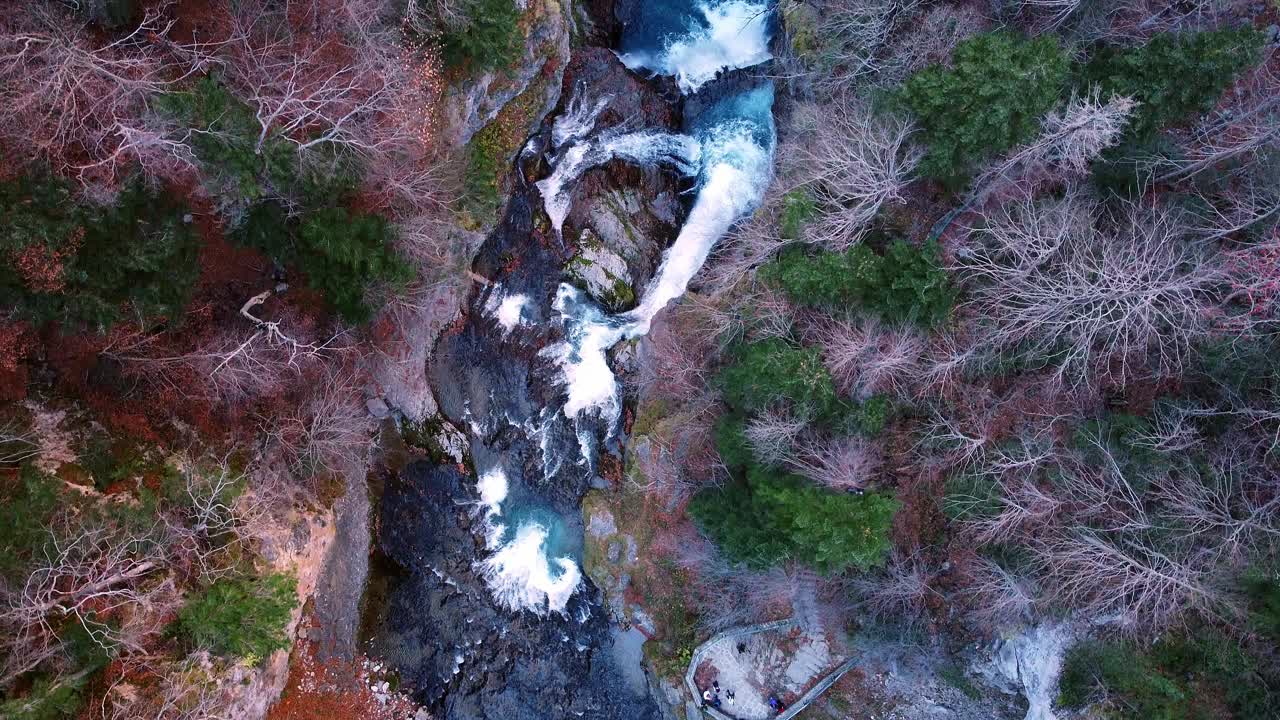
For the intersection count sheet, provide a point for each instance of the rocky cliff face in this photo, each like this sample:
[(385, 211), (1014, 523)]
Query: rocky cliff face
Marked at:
[(475, 101), (621, 215)]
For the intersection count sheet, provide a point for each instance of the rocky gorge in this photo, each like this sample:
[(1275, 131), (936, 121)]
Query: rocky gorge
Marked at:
[(614, 201)]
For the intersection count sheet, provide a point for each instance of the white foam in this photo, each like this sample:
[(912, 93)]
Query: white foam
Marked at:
[(733, 181), (578, 120), (647, 147), (505, 309), (581, 356), (493, 488), (729, 192), (736, 35), (509, 311), (522, 577)]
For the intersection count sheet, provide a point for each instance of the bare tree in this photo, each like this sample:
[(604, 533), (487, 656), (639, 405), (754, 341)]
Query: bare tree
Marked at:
[(840, 464), (930, 39), (1101, 576), (868, 358), (772, 436), (728, 595), (212, 517), (316, 80), (748, 245), (997, 595), (17, 444), (674, 358), (1050, 282), (230, 366), (63, 94), (1234, 509), (900, 592), (1050, 14), (1071, 138), (185, 690), (108, 580), (1248, 201), (678, 456), (854, 162), (859, 33), (329, 432)]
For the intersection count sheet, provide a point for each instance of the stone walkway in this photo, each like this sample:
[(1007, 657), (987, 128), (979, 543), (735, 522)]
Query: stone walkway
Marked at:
[(783, 658)]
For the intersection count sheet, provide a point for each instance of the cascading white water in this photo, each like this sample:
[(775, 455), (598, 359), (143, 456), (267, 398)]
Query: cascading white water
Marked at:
[(736, 158), (716, 36), (520, 573), (507, 310), (652, 147), (729, 149)]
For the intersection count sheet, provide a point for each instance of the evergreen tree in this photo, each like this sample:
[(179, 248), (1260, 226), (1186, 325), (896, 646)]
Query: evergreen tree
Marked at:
[(991, 99), (84, 265)]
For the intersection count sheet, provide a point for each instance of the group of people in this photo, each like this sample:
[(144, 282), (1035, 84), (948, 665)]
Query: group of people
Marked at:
[(711, 695)]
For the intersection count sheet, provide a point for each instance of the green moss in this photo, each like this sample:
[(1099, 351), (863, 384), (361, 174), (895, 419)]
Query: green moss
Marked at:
[(619, 297), (648, 416), (491, 149), (952, 675)]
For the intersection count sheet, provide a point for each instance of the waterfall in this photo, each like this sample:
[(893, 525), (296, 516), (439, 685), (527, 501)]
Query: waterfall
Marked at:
[(728, 149), (715, 36)]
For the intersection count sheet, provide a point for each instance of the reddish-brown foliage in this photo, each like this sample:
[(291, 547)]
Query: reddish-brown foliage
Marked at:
[(42, 267), (337, 689), (16, 344)]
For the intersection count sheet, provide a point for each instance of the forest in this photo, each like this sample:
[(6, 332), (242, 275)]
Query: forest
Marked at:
[(996, 350), (216, 218)]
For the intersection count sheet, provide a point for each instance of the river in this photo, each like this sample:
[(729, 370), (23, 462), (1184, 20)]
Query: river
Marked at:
[(494, 618)]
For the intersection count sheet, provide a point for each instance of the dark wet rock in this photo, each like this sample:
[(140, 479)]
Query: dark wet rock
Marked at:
[(637, 101), (467, 659), (622, 216)]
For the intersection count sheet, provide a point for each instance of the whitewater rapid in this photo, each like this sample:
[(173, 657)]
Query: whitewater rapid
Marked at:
[(728, 151)]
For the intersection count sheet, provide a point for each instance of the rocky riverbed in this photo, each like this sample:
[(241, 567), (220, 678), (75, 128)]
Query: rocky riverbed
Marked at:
[(466, 653)]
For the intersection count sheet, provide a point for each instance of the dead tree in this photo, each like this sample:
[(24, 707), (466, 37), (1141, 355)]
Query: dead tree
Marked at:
[(328, 434), (772, 435), (1046, 279), (898, 593), (110, 581), (854, 162), (316, 78), (840, 464), (82, 104), (868, 358)]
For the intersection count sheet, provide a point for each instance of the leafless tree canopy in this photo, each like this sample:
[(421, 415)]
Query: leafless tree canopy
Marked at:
[(1053, 283), (1143, 545), (854, 162), (107, 579)]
